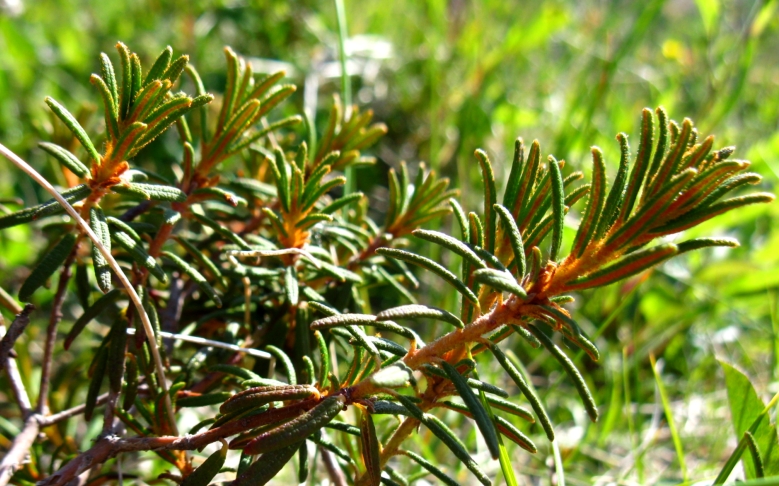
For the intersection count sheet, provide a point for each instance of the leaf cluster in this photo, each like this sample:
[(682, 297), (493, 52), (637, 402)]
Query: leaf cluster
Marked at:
[(265, 277)]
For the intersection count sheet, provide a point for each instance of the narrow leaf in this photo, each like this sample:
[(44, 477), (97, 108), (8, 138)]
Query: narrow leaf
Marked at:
[(451, 244), (139, 255), (259, 396), (48, 265), (75, 127), (415, 311), (627, 266), (558, 208), (66, 158), (97, 222), (195, 275), (526, 390), (490, 199), (298, 428), (499, 280), (369, 443), (432, 469), (95, 310), (515, 239), (285, 362), (267, 466), (434, 267), (480, 415), (570, 368)]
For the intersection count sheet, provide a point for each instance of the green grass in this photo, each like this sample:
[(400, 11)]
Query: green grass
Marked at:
[(464, 75)]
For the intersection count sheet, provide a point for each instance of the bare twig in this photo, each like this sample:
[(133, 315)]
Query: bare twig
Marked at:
[(17, 386), (71, 412), (111, 445), (14, 331), (333, 471), (136, 300), (209, 342), (19, 449), (51, 332)]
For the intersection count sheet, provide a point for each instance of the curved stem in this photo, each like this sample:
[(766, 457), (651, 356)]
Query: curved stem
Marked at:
[(136, 300)]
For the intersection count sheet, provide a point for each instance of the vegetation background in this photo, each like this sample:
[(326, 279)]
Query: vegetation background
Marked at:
[(448, 77)]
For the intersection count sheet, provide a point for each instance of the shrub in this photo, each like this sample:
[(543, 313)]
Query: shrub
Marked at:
[(248, 293)]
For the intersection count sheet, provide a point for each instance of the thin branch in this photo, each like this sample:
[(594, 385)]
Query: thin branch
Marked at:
[(17, 386), (69, 413), (16, 329), (208, 342), (111, 445), (19, 449), (51, 332), (21, 164), (333, 470)]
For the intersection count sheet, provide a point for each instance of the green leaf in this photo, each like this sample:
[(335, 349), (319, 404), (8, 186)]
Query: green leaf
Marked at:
[(526, 390), (139, 255), (235, 371), (116, 354), (131, 390), (515, 435), (745, 409), (195, 275), (259, 396), (369, 443), (434, 267), (698, 243), (558, 207), (120, 225), (597, 199), (203, 475), (324, 359), (101, 359), (452, 244), (462, 220), (499, 280), (616, 196), (291, 288), (395, 376), (490, 199), (159, 67), (203, 400), (66, 158), (627, 266), (638, 174), (432, 469), (224, 232), (161, 193), (342, 202), (95, 310), (48, 265), (99, 225), (515, 177), (511, 230), (49, 208), (479, 413), (754, 451), (570, 368), (201, 258), (415, 311), (75, 127), (285, 362), (298, 428)]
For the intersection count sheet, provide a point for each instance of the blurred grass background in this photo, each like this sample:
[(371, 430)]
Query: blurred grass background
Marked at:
[(448, 76)]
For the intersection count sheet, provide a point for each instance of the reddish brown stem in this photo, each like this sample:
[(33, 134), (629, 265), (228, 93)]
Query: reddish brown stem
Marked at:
[(51, 331)]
